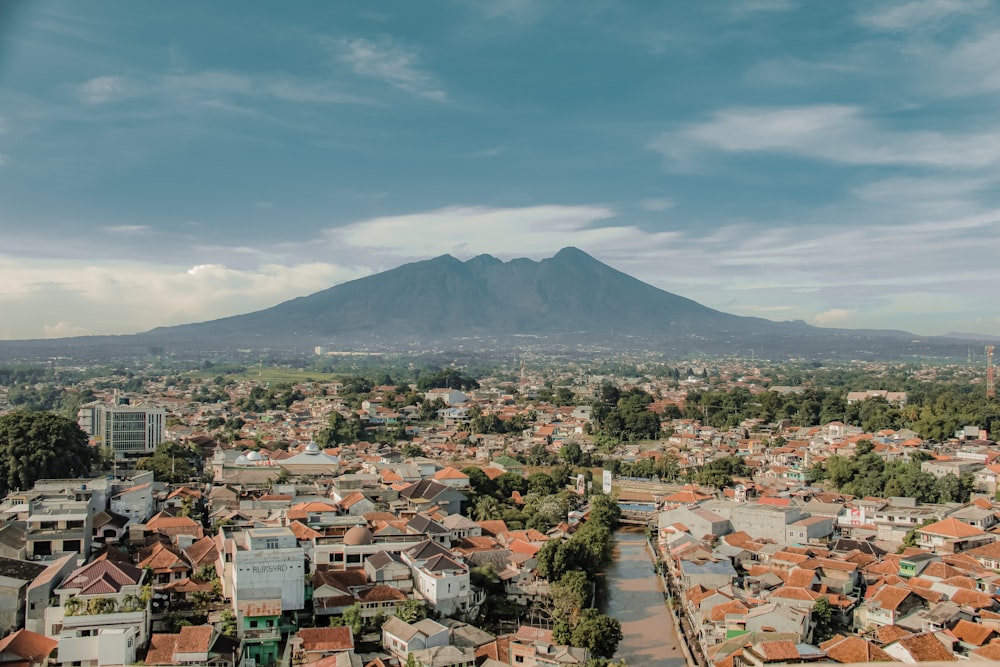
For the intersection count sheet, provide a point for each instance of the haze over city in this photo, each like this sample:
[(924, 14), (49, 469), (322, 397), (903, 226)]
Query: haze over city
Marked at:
[(829, 162)]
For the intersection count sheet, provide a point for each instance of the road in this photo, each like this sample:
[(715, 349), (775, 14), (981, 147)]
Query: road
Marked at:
[(635, 598)]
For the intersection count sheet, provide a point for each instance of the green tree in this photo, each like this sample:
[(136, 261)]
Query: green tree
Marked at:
[(598, 633), (353, 619), (40, 445), (541, 484), (822, 614), (571, 453), (227, 623), (411, 611), (568, 596), (486, 509)]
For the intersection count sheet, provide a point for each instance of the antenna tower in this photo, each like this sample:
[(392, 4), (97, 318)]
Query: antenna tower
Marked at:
[(991, 389)]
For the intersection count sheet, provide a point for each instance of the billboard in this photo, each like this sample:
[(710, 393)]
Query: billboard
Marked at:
[(606, 488)]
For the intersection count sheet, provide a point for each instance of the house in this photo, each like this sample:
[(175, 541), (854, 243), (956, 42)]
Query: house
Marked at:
[(102, 614), (356, 504), (25, 648), (426, 494), (811, 530), (853, 650), (135, 502), (445, 656), (764, 521), (313, 644), (194, 645), (452, 477), (885, 606), (533, 647), (699, 521), (15, 578), (922, 647), (442, 580), (507, 464), (710, 574), (386, 567), (401, 638), (166, 564), (951, 536), (781, 652), (988, 555)]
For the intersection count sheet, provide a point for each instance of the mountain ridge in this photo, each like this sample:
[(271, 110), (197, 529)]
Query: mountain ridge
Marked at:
[(570, 301)]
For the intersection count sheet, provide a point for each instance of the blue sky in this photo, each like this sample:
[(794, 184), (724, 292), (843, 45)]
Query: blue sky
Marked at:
[(835, 162)]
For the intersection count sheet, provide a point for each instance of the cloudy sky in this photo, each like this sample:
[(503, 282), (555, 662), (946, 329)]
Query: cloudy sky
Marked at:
[(835, 162)]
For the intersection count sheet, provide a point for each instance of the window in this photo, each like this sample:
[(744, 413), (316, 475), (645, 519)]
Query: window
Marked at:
[(271, 543), (253, 624)]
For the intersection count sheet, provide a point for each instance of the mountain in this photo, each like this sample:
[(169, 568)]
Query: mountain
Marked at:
[(565, 302), (568, 299)]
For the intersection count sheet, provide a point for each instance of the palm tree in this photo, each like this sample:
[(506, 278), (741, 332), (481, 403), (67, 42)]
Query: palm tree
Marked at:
[(131, 603), (73, 606)]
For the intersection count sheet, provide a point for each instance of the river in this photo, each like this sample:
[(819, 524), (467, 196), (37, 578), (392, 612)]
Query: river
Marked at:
[(635, 598)]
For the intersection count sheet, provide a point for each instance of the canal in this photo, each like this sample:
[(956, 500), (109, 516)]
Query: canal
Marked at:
[(635, 598)]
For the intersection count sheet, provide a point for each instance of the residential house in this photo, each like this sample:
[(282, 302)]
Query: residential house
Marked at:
[(135, 502), (15, 578), (534, 647), (102, 616), (24, 648), (401, 638), (951, 536), (311, 645), (194, 646)]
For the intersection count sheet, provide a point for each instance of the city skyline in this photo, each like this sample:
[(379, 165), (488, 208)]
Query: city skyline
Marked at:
[(834, 163)]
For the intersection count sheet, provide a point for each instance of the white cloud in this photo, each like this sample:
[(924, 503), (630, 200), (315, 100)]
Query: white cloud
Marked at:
[(835, 133), (102, 89), (864, 262), (120, 297), (126, 229), (833, 317), (215, 89), (62, 329), (489, 152), (913, 14), (465, 231), (743, 8), (657, 204), (391, 63)]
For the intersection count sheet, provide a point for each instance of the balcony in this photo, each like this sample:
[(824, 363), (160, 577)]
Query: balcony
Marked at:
[(261, 635)]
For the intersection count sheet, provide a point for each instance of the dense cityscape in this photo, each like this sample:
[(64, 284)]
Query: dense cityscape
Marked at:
[(270, 515)]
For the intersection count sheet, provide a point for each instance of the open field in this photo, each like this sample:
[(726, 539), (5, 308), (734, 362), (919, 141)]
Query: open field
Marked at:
[(277, 375)]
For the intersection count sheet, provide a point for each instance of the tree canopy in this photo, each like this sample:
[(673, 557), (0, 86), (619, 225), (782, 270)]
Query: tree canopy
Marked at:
[(40, 445)]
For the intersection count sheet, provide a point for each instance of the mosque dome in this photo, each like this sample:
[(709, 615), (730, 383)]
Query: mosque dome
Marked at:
[(242, 460), (312, 448), (254, 457), (358, 535)]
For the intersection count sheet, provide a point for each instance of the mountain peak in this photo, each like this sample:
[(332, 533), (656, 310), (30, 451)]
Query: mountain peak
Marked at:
[(572, 253), (483, 260)]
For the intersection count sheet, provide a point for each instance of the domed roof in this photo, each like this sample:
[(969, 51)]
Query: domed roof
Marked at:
[(312, 448), (254, 456), (358, 535), (242, 460)]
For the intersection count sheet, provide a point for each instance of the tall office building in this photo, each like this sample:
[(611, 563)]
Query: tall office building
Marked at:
[(129, 430)]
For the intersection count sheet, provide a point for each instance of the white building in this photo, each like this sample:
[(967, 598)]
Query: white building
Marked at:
[(102, 617), (129, 430), (442, 580), (264, 559), (136, 502)]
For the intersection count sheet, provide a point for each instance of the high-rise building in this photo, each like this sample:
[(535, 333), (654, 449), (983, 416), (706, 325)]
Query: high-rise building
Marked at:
[(128, 430)]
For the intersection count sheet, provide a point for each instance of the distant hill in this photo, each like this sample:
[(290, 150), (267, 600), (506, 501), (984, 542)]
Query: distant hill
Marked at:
[(566, 301)]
